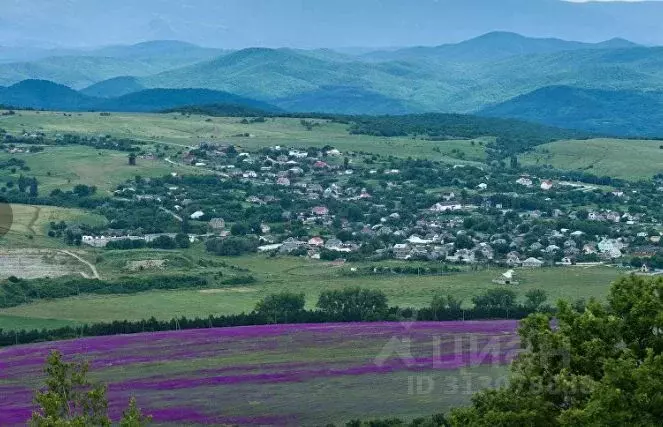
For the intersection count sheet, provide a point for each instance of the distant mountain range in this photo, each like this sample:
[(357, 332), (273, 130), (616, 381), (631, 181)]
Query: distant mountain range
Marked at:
[(498, 74), (491, 47), (79, 69)]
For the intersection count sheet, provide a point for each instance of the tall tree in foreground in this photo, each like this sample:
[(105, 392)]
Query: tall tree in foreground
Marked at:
[(598, 366), (70, 400)]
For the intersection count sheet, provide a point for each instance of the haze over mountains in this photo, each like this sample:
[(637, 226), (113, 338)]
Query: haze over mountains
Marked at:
[(319, 23), (547, 80)]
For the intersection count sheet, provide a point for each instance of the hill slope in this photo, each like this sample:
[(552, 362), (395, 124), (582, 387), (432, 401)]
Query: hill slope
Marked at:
[(263, 73), (44, 94), (41, 94), (163, 99), (345, 100), (624, 113), (114, 87)]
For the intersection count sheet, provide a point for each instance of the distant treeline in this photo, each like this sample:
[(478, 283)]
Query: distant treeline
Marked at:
[(220, 110), (106, 142), (394, 314), (512, 136), (346, 305)]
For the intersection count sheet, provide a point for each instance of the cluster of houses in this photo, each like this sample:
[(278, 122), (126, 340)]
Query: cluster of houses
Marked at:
[(435, 235)]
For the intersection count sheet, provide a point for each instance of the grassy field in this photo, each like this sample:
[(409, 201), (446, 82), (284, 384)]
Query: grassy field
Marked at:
[(186, 131), (29, 225), (14, 323), (311, 277), (64, 167), (602, 157)]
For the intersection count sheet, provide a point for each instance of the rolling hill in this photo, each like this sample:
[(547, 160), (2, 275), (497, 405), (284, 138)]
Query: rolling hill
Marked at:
[(283, 75), (44, 94), (345, 100), (275, 74), (41, 94), (264, 73), (114, 87), (163, 99), (623, 113)]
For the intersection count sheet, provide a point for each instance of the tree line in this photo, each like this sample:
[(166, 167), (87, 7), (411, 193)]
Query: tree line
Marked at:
[(351, 304)]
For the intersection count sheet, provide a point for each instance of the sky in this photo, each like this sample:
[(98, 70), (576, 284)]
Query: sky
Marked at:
[(318, 23)]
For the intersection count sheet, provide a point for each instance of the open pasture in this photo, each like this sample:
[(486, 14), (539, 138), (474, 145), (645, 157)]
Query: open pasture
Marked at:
[(64, 167), (278, 374), (312, 277), (618, 158), (29, 225), (190, 130)]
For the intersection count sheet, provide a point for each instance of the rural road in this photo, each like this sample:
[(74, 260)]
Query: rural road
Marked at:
[(95, 273)]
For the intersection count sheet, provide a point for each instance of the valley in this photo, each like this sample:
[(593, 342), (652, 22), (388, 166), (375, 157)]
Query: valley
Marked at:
[(365, 214), (172, 164)]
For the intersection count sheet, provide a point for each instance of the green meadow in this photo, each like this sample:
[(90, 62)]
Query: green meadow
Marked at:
[(618, 158)]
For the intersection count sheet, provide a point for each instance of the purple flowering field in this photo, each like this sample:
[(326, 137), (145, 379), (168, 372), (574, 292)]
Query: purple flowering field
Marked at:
[(278, 374)]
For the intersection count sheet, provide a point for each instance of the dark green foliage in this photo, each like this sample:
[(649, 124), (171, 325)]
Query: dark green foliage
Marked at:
[(232, 246), (599, 365), (279, 306), (71, 400), (535, 298), (500, 298), (353, 304)]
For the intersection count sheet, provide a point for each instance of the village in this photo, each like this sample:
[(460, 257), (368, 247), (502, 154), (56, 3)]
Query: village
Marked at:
[(325, 204)]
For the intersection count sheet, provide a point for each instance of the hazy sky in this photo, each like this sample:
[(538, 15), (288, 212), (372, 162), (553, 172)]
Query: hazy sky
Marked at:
[(318, 23)]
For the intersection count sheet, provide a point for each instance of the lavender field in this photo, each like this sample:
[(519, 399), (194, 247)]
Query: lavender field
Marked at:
[(278, 374)]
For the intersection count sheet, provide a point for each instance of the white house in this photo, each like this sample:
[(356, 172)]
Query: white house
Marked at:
[(524, 181), (197, 215), (446, 207), (546, 185)]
